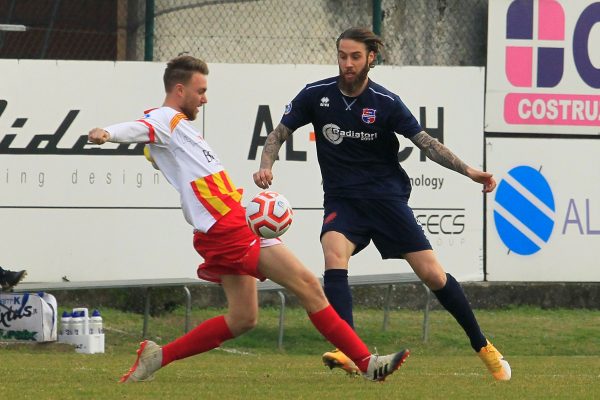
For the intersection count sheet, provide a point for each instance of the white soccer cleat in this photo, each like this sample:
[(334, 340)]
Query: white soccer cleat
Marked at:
[(380, 367), (149, 360)]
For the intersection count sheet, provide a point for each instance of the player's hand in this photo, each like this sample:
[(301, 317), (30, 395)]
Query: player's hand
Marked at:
[(98, 136), (263, 178), (485, 178)]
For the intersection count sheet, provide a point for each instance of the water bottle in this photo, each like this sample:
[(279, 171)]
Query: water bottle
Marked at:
[(84, 314), (65, 327), (96, 327), (77, 323)]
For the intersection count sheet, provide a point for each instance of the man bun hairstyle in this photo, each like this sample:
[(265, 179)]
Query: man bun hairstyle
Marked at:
[(180, 70), (362, 35)]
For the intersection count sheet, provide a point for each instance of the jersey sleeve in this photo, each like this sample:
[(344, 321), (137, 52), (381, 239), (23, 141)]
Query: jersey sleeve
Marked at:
[(402, 120), (297, 112), (145, 130)]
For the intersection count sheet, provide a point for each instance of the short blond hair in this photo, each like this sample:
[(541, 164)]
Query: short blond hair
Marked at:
[(180, 70)]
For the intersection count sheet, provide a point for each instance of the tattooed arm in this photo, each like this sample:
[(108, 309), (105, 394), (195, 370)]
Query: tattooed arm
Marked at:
[(439, 153), (264, 177)]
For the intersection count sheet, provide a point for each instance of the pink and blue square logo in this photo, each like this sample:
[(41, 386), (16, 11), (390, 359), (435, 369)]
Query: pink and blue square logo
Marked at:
[(521, 69), (539, 42)]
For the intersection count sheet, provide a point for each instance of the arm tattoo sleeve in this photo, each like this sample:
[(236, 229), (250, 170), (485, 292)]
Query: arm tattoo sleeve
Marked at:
[(439, 153), (272, 145)]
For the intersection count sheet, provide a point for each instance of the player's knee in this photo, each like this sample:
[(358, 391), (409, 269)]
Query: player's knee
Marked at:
[(243, 324), (335, 258), (247, 324), (311, 281), (428, 268), (434, 279), (312, 292)]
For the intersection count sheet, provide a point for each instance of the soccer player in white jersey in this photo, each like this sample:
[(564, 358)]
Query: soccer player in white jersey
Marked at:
[(356, 132), (233, 255)]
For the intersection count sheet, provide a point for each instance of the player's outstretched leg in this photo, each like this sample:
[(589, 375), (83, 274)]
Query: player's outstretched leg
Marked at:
[(148, 361), (452, 297), (151, 357), (495, 362), (9, 279), (372, 366), (241, 317), (281, 266)]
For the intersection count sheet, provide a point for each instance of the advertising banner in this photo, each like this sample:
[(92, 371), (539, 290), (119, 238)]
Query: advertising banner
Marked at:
[(28, 317), (543, 67), (76, 211), (544, 217)]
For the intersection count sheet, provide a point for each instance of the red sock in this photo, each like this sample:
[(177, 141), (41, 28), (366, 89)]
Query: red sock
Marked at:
[(341, 335), (206, 336)]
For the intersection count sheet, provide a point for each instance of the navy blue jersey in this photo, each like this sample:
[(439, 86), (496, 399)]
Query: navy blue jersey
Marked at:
[(357, 146)]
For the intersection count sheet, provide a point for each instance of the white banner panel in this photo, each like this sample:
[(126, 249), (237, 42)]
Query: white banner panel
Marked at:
[(544, 217), (543, 71), (69, 209)]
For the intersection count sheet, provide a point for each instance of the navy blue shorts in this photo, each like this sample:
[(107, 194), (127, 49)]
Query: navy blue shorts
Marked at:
[(390, 223)]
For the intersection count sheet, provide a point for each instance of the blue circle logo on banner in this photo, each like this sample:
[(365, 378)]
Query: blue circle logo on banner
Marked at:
[(524, 210)]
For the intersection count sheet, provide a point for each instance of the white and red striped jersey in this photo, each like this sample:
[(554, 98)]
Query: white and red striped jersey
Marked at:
[(187, 162)]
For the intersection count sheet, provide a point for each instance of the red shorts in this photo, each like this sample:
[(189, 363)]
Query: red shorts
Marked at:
[(230, 248)]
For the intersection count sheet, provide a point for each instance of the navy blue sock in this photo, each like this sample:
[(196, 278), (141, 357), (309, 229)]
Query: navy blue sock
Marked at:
[(453, 299), (337, 290)]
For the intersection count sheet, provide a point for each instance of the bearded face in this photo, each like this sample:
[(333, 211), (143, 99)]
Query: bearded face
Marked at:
[(190, 108), (351, 81), (353, 63)]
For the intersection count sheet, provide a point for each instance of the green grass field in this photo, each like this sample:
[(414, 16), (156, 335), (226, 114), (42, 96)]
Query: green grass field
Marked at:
[(553, 354)]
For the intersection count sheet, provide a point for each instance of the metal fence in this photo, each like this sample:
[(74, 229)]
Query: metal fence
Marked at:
[(416, 32), (60, 29)]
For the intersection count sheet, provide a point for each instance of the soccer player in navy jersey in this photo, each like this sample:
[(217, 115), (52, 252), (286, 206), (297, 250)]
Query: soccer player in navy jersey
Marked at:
[(366, 190)]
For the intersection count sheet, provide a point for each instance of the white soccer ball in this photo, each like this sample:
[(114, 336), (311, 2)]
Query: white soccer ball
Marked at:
[(269, 214)]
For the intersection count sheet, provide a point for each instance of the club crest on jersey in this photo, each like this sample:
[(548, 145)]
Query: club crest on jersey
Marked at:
[(288, 108), (368, 115)]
